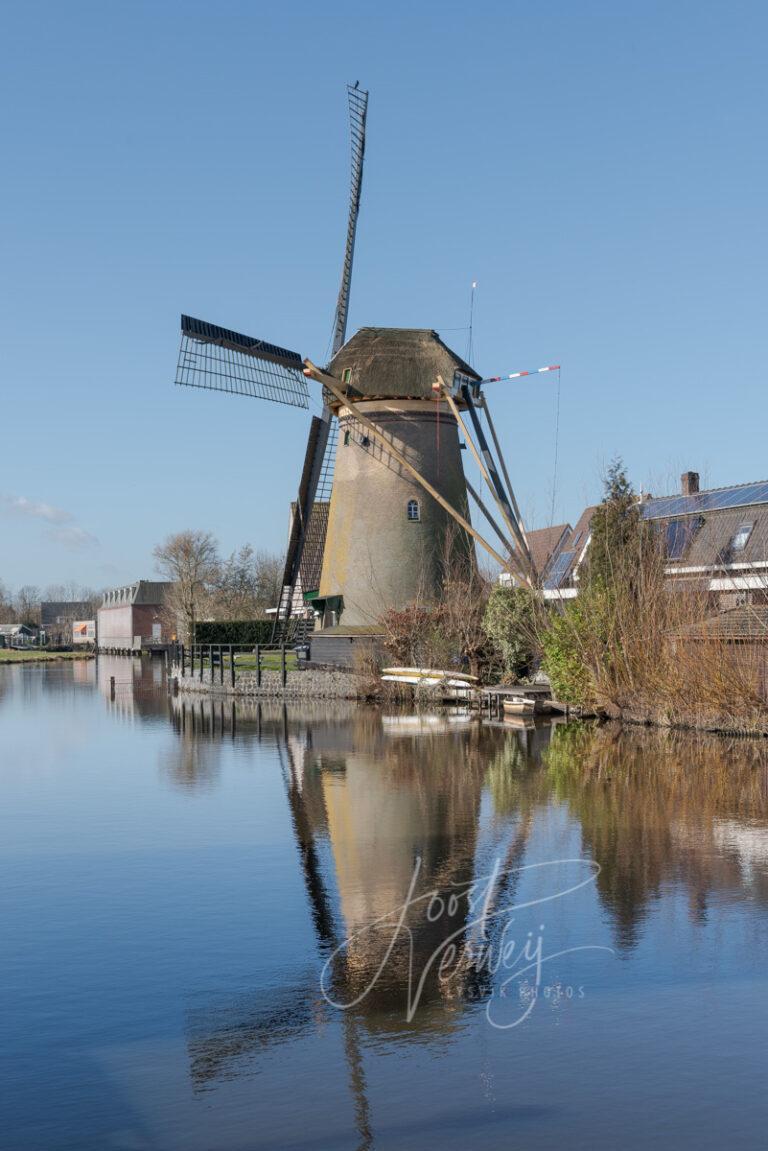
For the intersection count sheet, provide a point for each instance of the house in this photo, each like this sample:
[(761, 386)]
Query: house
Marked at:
[(17, 635), (83, 632), (544, 544), (716, 538), (57, 617), (133, 618)]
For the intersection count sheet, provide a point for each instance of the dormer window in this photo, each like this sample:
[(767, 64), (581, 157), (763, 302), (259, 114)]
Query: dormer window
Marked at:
[(346, 376), (414, 511)]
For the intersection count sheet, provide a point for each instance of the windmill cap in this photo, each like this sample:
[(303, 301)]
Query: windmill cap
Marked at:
[(395, 363)]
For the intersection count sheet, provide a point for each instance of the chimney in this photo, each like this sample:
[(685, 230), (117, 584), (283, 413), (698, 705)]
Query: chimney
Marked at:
[(689, 483)]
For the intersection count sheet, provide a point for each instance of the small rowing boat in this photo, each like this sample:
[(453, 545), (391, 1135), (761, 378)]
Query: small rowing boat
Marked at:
[(519, 706)]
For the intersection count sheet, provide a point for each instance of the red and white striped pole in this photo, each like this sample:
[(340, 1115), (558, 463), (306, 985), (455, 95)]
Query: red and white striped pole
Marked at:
[(518, 375)]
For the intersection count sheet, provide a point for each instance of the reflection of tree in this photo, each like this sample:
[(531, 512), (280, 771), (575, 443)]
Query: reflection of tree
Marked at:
[(650, 803)]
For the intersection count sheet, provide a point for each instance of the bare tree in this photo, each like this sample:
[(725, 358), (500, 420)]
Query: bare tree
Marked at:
[(26, 605), (190, 560), (248, 583), (269, 579), (6, 605)]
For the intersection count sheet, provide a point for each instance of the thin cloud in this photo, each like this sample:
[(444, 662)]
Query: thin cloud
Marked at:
[(63, 528), (72, 537)]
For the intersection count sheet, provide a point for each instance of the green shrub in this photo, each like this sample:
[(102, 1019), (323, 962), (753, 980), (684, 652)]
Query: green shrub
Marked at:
[(249, 631), (512, 620), (566, 644)]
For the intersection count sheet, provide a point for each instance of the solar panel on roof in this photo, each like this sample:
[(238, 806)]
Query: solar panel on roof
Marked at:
[(558, 570), (679, 534), (735, 497)]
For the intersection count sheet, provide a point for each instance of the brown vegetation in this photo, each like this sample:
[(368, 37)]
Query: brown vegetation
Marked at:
[(634, 643)]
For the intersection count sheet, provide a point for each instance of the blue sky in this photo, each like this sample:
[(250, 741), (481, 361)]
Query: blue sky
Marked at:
[(599, 168)]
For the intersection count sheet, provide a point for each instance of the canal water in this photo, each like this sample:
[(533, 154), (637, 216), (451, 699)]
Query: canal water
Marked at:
[(236, 927)]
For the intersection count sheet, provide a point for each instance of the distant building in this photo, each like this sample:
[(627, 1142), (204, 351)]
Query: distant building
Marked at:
[(17, 635), (83, 632), (57, 617), (716, 539), (132, 618)]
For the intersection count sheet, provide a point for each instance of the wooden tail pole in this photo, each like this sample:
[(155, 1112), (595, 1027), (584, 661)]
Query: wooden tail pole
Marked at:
[(483, 508), (508, 517), (511, 515), (508, 482), (331, 384)]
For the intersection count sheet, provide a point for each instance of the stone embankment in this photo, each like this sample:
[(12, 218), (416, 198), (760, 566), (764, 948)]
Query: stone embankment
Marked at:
[(305, 684)]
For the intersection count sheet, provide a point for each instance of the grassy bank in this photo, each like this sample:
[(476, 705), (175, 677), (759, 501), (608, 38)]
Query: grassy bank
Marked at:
[(12, 656)]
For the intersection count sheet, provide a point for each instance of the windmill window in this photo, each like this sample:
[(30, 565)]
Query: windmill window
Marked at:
[(365, 442), (346, 438), (414, 511), (740, 538), (346, 376)]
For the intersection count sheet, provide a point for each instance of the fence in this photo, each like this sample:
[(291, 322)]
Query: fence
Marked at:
[(227, 658)]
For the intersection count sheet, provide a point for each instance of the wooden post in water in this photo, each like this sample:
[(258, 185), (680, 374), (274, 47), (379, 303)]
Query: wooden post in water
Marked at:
[(258, 665), (111, 687), (221, 666), (283, 669), (232, 665)]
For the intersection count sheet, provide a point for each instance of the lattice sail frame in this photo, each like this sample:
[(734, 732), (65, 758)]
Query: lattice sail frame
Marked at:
[(358, 111), (221, 360)]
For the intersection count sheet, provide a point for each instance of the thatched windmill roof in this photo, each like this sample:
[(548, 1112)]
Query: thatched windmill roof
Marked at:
[(395, 363)]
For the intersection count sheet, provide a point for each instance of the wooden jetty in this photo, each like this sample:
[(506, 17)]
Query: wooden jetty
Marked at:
[(522, 699)]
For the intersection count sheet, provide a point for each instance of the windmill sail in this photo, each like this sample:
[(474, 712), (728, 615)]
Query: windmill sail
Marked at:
[(358, 110), (221, 360), (321, 446)]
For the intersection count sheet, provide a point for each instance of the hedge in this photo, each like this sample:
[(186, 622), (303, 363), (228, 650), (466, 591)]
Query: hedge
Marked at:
[(249, 631)]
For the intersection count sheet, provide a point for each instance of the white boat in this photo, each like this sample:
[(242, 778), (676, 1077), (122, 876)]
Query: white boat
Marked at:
[(429, 681), (430, 672)]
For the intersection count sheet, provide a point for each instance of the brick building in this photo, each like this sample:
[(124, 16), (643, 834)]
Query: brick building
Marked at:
[(133, 617)]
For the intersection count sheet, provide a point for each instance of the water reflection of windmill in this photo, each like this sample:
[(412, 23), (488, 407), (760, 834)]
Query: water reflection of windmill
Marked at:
[(383, 503), (362, 805)]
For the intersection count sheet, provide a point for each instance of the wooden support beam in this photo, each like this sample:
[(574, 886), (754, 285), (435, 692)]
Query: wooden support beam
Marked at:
[(508, 482), (331, 384), (513, 559), (508, 519), (512, 514)]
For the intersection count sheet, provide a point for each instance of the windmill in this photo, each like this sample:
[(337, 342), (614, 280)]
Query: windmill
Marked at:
[(383, 479)]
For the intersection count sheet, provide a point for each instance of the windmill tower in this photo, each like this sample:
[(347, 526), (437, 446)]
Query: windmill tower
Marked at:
[(374, 504), (386, 539)]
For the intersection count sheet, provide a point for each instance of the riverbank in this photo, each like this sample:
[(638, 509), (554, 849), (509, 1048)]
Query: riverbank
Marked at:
[(304, 684), (744, 723), (12, 655)]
